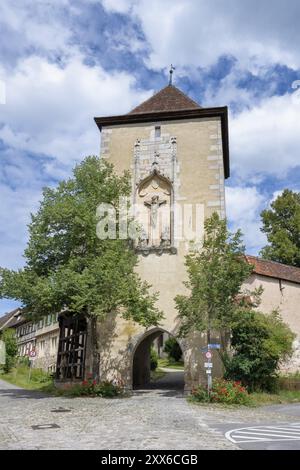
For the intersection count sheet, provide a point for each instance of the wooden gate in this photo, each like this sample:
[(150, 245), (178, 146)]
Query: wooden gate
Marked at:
[(71, 348)]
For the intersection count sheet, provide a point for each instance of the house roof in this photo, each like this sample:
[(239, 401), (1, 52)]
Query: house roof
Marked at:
[(274, 269), (169, 104), (8, 320), (169, 98)]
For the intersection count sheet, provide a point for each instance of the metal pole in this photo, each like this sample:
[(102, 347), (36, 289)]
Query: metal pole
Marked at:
[(29, 375), (209, 375), (209, 380)]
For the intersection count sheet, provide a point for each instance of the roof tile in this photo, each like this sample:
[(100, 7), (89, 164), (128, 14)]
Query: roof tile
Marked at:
[(274, 269), (169, 98)]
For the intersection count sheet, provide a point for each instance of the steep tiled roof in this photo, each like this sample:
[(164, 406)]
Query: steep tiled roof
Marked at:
[(169, 98), (9, 319), (275, 270)]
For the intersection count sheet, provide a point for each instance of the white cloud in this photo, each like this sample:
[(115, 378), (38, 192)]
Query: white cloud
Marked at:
[(50, 110), (117, 6), (266, 139), (35, 26), (197, 32), (244, 205)]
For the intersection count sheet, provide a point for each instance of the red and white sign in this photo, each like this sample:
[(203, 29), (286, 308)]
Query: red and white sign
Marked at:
[(32, 354), (208, 355)]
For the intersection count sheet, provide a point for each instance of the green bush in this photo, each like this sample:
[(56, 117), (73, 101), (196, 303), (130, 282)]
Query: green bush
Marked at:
[(90, 387), (23, 361), (11, 349), (260, 343), (173, 350), (40, 376), (153, 359), (200, 394), (223, 391)]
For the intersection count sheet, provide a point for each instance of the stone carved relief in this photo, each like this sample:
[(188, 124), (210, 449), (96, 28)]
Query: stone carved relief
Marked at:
[(155, 186), (154, 212)]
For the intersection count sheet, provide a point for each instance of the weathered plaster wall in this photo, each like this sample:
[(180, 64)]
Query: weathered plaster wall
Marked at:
[(284, 296)]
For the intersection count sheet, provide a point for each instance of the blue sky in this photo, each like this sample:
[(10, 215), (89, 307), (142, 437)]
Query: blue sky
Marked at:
[(65, 61)]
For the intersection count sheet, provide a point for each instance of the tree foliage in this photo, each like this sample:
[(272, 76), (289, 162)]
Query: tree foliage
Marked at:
[(67, 266), (281, 224), (215, 276), (11, 349), (153, 359), (260, 342), (173, 349)]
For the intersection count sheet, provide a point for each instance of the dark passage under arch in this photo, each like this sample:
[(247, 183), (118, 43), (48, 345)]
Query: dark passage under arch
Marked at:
[(141, 371)]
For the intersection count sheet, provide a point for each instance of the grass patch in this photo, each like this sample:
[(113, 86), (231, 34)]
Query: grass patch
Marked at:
[(257, 399), (170, 364), (36, 379), (283, 396), (40, 381)]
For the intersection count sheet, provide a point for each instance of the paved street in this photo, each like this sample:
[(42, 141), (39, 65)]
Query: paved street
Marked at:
[(151, 419)]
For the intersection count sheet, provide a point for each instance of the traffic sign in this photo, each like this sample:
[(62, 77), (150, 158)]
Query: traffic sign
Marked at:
[(208, 365), (208, 355), (32, 354), (208, 371), (214, 346)]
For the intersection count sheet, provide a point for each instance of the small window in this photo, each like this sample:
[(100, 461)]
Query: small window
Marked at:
[(157, 132)]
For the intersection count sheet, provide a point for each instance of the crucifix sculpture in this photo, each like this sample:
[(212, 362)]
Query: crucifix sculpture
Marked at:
[(154, 205)]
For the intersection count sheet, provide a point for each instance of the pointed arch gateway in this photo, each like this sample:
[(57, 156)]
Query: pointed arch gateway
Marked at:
[(141, 372)]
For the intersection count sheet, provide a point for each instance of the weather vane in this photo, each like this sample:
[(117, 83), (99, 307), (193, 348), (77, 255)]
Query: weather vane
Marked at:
[(172, 68)]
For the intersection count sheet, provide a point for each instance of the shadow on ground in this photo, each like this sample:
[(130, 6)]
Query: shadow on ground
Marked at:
[(170, 385), (18, 393)]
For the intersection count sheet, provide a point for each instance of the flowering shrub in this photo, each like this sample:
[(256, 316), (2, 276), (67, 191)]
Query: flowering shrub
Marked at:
[(91, 388), (223, 391)]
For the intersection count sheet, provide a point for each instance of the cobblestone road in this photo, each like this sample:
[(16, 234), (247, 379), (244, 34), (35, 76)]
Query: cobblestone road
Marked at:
[(153, 419)]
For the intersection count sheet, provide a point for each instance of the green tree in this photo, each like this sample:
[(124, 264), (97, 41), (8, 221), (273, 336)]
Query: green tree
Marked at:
[(69, 268), (215, 276), (173, 349), (260, 343), (281, 224), (153, 359), (11, 349)]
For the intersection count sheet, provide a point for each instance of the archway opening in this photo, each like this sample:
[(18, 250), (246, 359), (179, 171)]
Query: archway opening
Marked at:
[(158, 362)]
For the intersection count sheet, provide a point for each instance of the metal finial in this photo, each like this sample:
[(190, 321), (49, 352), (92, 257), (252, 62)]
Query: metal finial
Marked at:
[(172, 68)]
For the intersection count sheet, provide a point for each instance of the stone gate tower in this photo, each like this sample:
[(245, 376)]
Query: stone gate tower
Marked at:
[(178, 155)]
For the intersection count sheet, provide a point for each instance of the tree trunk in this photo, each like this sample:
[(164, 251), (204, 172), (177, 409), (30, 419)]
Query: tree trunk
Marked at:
[(95, 350), (225, 339), (225, 345)]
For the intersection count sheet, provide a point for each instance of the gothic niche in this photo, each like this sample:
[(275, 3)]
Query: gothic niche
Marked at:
[(154, 213)]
